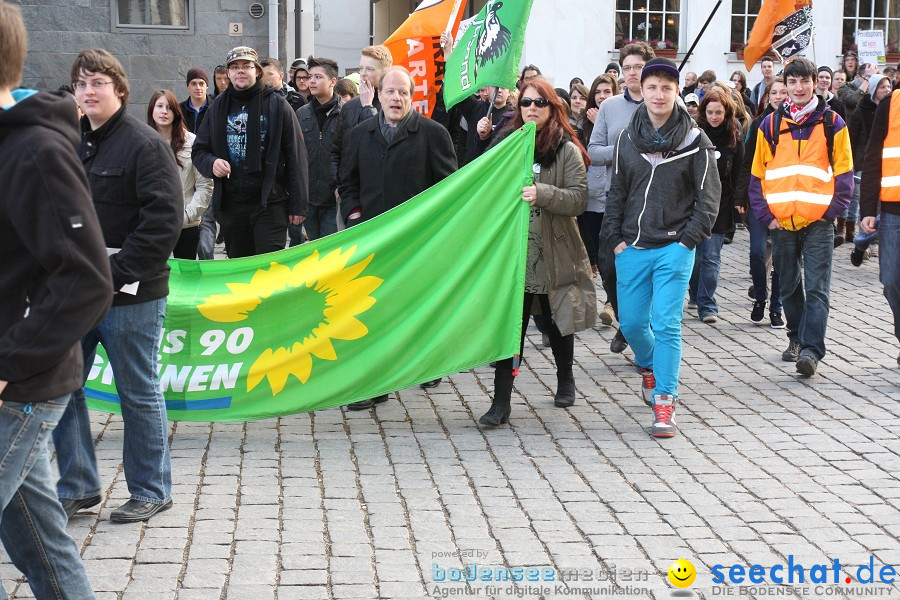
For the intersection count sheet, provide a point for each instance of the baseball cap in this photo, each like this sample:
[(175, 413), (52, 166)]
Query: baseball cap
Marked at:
[(242, 53), (692, 98), (656, 65)]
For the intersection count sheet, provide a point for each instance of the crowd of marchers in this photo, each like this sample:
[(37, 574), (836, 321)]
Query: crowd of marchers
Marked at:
[(640, 178)]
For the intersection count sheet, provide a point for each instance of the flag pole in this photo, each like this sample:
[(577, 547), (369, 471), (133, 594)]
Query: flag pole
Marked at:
[(493, 99), (699, 35)]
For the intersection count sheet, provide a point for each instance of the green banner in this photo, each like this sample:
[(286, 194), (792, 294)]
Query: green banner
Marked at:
[(488, 52), (428, 289)]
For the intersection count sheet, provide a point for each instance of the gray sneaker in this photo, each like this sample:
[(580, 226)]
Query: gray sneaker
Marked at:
[(792, 353), (806, 365)]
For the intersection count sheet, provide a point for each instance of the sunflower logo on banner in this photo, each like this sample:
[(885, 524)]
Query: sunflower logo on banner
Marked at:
[(343, 295)]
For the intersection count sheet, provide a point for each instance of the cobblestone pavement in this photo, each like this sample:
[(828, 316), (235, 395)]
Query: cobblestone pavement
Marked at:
[(386, 503)]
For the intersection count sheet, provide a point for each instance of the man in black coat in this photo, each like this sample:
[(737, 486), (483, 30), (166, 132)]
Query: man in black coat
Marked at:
[(319, 120), (136, 187), (394, 156), (56, 286), (250, 143), (390, 159)]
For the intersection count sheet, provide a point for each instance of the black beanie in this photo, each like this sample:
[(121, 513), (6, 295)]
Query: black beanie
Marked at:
[(615, 66), (196, 73)]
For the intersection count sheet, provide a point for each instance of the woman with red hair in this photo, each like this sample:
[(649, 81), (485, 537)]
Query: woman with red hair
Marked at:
[(164, 115), (557, 274)]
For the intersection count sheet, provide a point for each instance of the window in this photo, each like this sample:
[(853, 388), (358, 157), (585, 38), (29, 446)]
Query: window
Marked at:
[(743, 16), (872, 14), (151, 14), (653, 21)]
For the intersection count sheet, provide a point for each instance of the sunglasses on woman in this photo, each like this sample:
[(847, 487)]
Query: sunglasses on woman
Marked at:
[(539, 102)]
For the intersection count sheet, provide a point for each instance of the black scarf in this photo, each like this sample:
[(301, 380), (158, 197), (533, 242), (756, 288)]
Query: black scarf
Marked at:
[(667, 138), (252, 98), (719, 136), (320, 111)]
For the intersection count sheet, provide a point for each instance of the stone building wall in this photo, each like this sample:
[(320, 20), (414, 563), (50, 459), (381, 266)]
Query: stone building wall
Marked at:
[(59, 29)]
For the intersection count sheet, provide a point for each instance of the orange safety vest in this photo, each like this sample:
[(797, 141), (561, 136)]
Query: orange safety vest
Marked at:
[(799, 185), (890, 155)]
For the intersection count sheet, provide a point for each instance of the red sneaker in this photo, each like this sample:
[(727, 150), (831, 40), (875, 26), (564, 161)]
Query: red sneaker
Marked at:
[(664, 425), (648, 384)]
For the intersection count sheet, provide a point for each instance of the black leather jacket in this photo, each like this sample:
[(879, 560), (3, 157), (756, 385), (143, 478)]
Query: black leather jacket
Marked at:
[(322, 182)]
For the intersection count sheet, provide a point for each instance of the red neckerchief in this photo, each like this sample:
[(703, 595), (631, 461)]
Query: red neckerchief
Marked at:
[(799, 114)]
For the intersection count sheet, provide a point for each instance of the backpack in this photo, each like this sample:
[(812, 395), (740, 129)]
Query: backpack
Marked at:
[(827, 121)]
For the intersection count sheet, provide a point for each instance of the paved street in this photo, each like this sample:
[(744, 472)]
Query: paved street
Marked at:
[(769, 469)]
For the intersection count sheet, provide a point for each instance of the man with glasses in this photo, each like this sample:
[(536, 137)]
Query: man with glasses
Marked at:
[(251, 144), (137, 194), (300, 78), (614, 116)]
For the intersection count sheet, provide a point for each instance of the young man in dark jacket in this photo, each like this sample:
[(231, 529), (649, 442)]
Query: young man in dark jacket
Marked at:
[(662, 203), (136, 187), (55, 286), (251, 144), (319, 120), (194, 108), (390, 159)]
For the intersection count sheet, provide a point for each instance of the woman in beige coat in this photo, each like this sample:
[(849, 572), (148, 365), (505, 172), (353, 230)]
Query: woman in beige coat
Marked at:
[(164, 115), (558, 279)]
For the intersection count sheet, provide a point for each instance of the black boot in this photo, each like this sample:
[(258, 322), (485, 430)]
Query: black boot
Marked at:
[(565, 388), (564, 355), (500, 409)]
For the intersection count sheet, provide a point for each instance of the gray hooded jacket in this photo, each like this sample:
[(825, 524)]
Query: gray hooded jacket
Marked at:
[(660, 198)]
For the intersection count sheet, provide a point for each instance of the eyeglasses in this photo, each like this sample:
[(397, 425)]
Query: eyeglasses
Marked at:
[(97, 85), (635, 68), (302, 78), (539, 102), (247, 67)]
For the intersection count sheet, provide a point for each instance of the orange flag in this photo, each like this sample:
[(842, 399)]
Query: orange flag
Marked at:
[(416, 45), (771, 12)]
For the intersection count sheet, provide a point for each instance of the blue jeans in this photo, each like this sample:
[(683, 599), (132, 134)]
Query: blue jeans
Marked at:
[(130, 335), (852, 212), (651, 285), (207, 245), (32, 521), (889, 263), (809, 252), (759, 233), (705, 276), (320, 222)]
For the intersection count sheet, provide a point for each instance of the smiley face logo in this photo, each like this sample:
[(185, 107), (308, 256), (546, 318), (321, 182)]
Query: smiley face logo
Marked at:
[(682, 573)]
